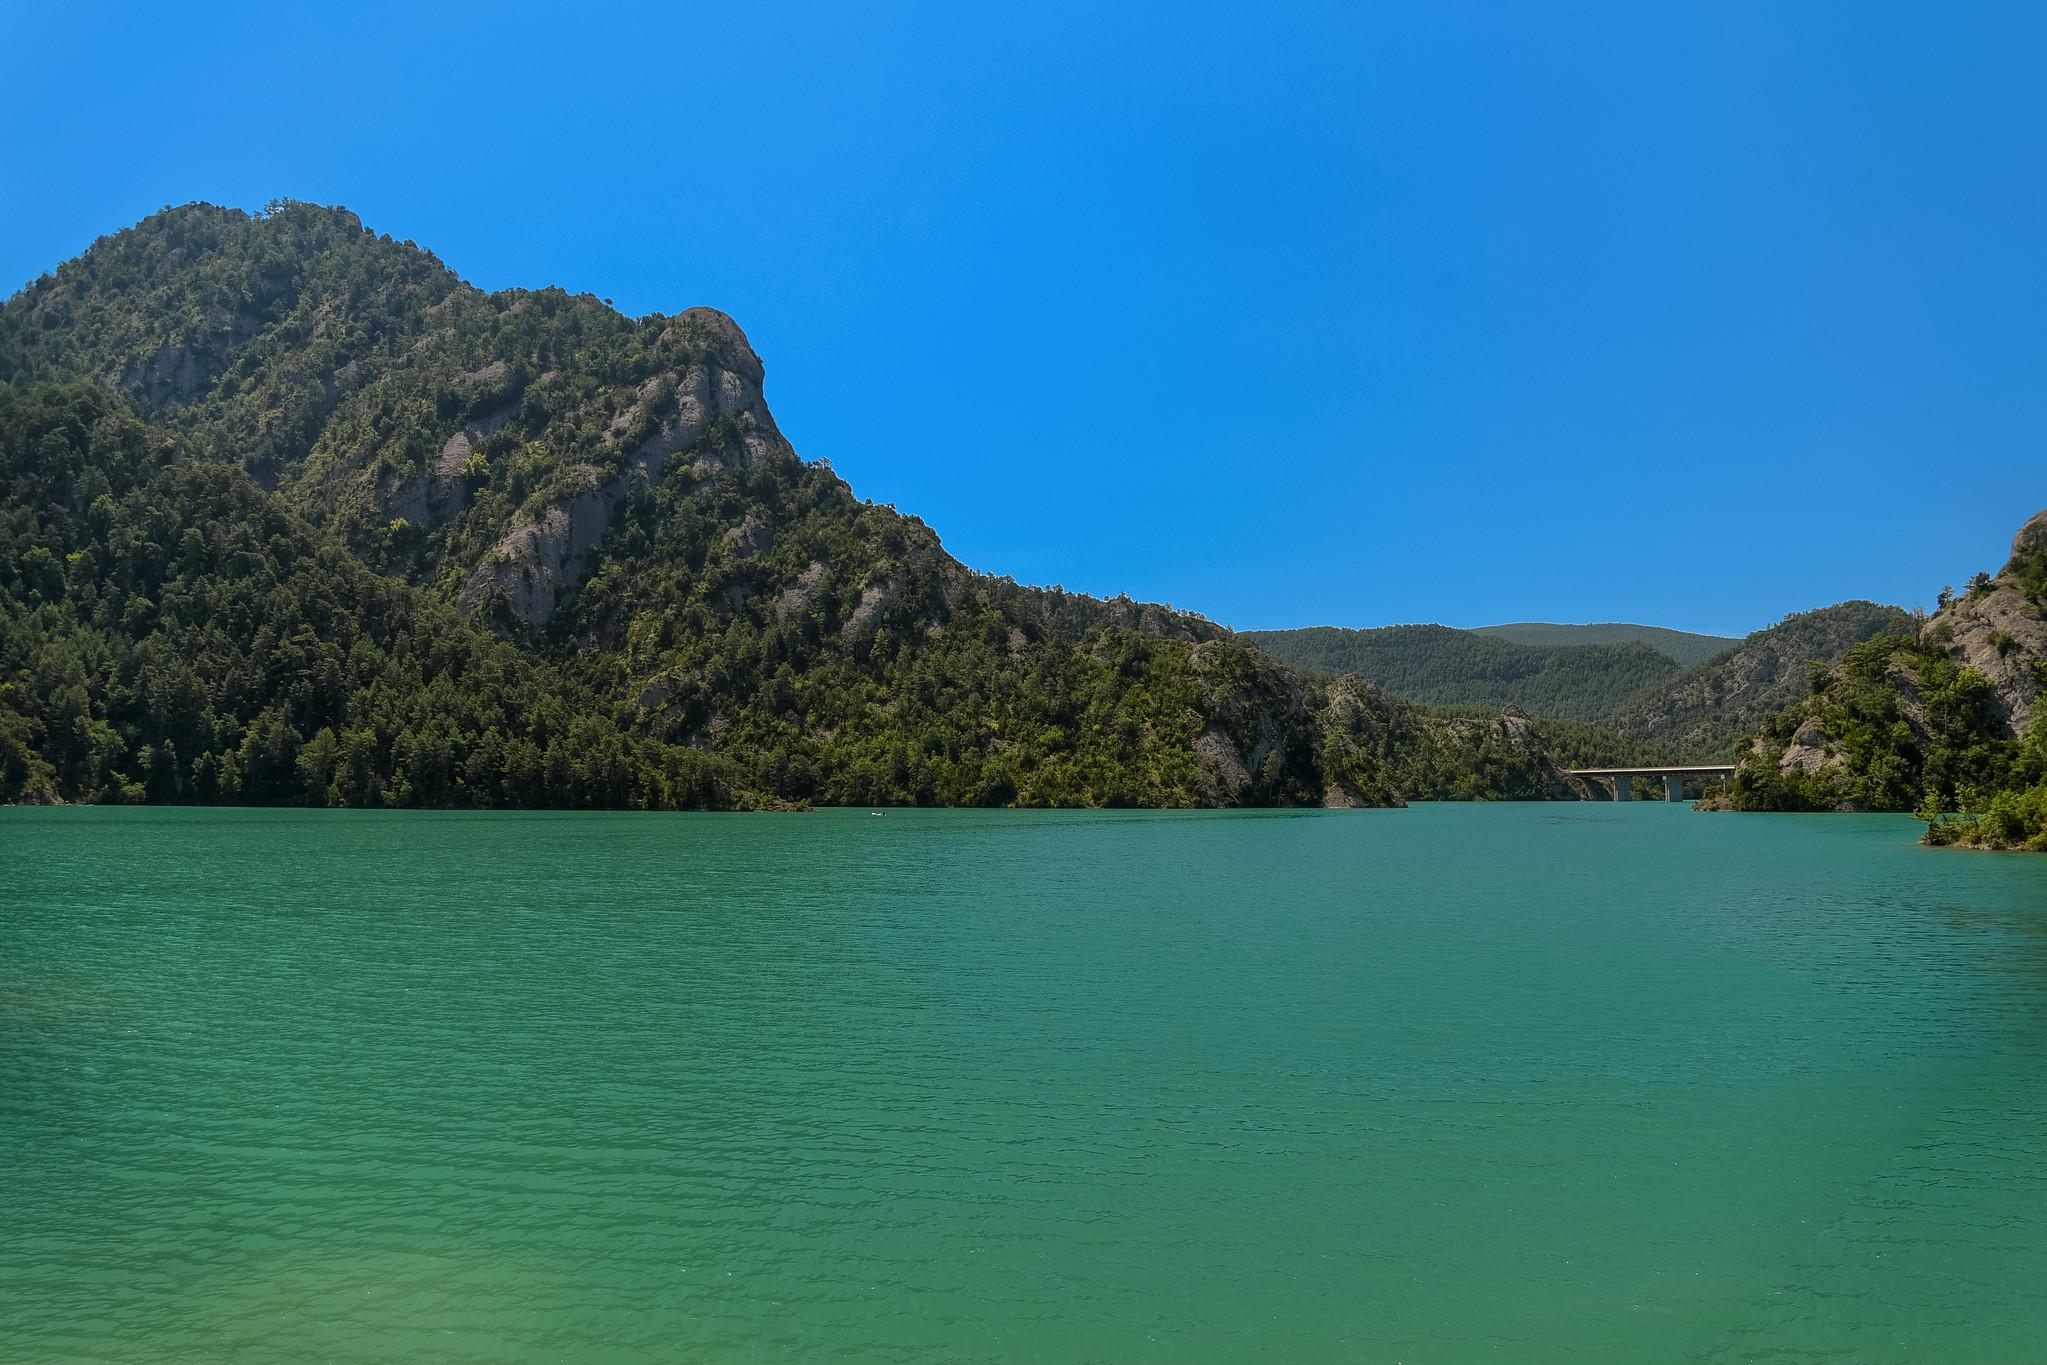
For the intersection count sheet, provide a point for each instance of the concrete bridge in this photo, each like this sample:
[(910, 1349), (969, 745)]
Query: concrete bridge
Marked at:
[(1673, 776)]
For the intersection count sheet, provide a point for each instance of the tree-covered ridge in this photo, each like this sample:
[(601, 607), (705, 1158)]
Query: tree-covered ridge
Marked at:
[(170, 632), (598, 517), (1639, 695), (1683, 647), (175, 633), (418, 417), (1708, 711), (1443, 666), (1946, 720)]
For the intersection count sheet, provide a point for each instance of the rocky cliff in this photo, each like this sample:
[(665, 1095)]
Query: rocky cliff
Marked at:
[(1944, 718)]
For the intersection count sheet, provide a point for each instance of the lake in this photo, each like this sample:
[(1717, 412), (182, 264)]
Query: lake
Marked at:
[(1515, 1083)]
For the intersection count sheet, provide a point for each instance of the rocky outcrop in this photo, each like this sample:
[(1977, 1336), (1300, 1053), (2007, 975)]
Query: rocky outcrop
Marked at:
[(752, 537), (1710, 711), (1996, 630), (713, 409), (439, 495), (1228, 777), (797, 595), (179, 371), (543, 558), (2000, 629), (875, 598), (1811, 749), (458, 448), (1258, 744)]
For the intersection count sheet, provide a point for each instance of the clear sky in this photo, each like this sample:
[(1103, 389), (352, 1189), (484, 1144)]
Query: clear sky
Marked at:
[(1692, 314)]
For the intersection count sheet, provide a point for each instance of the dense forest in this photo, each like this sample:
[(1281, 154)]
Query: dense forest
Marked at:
[(1684, 647), (1440, 665), (1946, 720), (1628, 688), (1710, 710), (170, 632), (293, 515)]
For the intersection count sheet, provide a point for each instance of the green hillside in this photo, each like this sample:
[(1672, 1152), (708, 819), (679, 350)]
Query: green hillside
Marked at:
[(1948, 717), (1706, 713), (1682, 647), (1630, 691), (370, 535), (1446, 667)]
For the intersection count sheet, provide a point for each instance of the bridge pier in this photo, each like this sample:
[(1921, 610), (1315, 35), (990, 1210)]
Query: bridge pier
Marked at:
[(1673, 778)]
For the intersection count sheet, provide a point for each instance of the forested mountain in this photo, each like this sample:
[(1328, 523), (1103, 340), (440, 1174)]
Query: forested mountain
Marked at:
[(171, 632), (1442, 666), (372, 536), (1946, 718), (1708, 711), (1682, 647), (1630, 690)]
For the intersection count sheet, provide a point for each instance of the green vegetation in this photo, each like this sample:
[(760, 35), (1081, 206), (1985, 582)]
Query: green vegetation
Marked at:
[(169, 632), (1946, 722), (1708, 712), (1442, 666), (1637, 694), (1682, 647), (1907, 729), (293, 515)]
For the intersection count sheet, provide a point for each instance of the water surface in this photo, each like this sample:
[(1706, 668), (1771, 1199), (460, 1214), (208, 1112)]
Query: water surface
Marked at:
[(1456, 1083)]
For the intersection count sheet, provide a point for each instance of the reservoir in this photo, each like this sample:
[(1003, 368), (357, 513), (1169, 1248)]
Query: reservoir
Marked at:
[(1457, 1083)]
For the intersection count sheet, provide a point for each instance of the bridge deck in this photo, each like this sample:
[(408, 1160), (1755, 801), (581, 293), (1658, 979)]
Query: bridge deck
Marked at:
[(1679, 768)]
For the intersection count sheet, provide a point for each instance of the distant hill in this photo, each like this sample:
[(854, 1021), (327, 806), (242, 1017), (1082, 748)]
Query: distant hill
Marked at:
[(1682, 646), (1446, 667), (1632, 690), (1707, 711)]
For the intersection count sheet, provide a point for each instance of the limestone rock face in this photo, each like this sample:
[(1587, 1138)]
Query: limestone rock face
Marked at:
[(713, 411), (1809, 751), (2001, 630), (179, 371)]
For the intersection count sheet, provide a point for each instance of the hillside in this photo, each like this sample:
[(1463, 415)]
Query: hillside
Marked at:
[(171, 632), (372, 536), (1945, 719), (1441, 666), (1707, 712), (1629, 690), (1681, 647)]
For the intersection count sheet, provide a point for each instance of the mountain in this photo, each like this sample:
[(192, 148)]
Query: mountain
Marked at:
[(1681, 647), (1442, 666), (293, 514), (1706, 712), (171, 632), (1946, 718), (1632, 691)]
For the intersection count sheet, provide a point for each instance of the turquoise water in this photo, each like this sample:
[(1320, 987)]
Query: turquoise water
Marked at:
[(1456, 1083)]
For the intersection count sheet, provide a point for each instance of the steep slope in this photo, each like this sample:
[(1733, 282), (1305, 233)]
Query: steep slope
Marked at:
[(1442, 666), (1946, 719), (1706, 712), (1681, 647), (171, 632), (1651, 708), (612, 498), (484, 438)]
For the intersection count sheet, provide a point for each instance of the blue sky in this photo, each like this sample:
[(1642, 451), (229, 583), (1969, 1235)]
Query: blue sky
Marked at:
[(1693, 314)]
